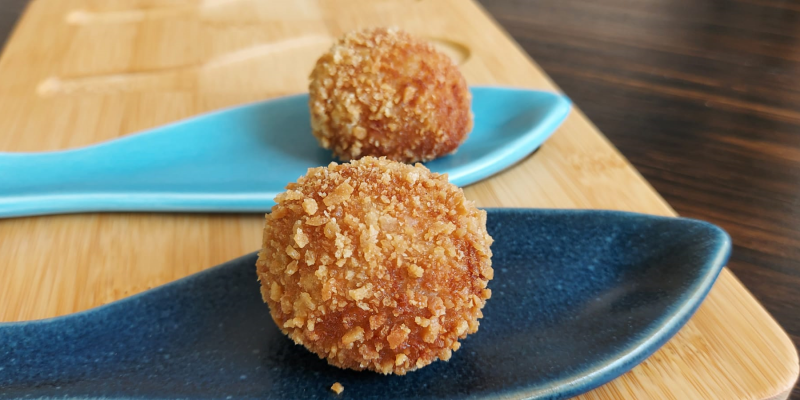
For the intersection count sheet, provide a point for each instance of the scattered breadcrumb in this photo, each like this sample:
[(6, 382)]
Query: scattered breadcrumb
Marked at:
[(384, 92), (337, 388), (390, 271)]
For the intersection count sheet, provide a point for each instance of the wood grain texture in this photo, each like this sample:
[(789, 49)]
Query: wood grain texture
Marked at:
[(77, 72), (702, 98)]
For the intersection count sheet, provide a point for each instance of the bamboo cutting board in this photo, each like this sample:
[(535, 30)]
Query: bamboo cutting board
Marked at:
[(81, 71)]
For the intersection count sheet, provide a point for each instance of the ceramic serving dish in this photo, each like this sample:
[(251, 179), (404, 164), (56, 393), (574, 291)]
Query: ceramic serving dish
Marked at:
[(579, 297), (237, 160)]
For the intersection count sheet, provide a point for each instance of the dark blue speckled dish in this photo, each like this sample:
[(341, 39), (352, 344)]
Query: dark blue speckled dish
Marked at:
[(579, 297)]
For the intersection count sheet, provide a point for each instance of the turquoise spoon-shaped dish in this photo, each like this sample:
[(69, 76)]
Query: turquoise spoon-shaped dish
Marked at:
[(238, 159)]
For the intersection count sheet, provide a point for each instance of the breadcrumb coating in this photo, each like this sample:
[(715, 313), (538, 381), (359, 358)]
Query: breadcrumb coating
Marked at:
[(383, 92), (376, 265)]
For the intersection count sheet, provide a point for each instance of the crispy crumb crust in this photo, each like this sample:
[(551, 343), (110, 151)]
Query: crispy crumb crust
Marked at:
[(383, 92), (376, 265)]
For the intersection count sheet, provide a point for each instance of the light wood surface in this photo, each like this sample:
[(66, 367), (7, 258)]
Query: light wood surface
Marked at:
[(80, 71)]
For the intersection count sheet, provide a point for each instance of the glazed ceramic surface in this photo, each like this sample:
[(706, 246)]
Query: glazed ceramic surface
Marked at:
[(579, 297), (237, 160)]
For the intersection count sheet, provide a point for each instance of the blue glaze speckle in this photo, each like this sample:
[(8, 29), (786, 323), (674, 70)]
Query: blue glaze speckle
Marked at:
[(579, 297), (239, 159)]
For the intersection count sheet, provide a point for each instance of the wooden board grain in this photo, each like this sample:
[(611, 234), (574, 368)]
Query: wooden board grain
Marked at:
[(81, 71)]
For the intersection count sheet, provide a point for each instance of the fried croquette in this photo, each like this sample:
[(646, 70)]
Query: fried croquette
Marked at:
[(376, 265), (383, 92)]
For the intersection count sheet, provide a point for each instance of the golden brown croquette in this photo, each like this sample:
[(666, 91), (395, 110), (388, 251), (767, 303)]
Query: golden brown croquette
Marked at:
[(376, 265), (383, 92)]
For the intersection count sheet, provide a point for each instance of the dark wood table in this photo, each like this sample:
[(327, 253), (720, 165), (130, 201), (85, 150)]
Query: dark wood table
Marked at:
[(703, 97)]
